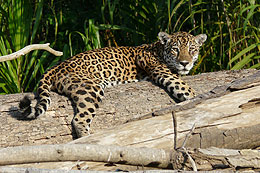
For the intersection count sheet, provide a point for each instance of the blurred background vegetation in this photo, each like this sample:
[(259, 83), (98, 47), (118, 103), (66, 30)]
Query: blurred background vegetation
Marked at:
[(73, 26)]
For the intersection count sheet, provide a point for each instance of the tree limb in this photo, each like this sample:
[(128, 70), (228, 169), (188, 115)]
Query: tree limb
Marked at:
[(85, 152), (174, 121), (28, 49), (205, 159)]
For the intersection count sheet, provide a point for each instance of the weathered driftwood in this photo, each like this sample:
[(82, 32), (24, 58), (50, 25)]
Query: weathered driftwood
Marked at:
[(28, 49), (121, 103), (204, 159)]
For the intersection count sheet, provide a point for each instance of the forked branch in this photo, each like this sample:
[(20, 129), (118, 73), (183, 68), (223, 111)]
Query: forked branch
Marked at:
[(28, 49)]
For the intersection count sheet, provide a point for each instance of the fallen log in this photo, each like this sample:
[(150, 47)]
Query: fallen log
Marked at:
[(121, 103)]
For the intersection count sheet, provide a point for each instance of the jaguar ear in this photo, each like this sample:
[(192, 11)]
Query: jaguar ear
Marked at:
[(200, 39), (164, 37)]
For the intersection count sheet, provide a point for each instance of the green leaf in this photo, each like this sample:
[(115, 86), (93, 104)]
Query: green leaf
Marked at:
[(243, 62), (256, 66), (37, 19), (249, 15), (241, 53), (3, 87)]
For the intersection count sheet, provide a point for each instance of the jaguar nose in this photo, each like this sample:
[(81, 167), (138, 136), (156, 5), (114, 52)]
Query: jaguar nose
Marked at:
[(184, 63)]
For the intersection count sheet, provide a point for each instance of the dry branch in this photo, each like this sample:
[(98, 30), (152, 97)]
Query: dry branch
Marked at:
[(205, 159), (75, 152), (174, 122), (182, 148), (28, 49)]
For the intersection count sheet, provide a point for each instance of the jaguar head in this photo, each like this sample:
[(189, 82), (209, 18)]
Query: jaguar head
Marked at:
[(181, 50)]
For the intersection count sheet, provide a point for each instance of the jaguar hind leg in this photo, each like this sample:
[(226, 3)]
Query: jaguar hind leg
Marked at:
[(86, 101), (86, 96)]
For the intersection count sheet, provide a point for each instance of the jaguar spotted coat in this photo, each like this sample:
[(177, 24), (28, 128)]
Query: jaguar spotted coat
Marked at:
[(84, 77)]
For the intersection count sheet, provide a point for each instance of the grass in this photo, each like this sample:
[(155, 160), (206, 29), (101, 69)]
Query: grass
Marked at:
[(74, 26)]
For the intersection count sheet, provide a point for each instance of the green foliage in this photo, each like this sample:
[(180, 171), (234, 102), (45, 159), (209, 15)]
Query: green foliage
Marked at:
[(20, 23), (16, 17), (90, 38), (233, 29)]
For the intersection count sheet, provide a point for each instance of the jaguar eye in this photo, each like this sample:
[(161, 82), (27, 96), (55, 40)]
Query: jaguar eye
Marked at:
[(193, 51), (175, 49)]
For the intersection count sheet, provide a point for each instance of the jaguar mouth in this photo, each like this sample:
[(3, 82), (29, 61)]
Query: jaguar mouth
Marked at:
[(183, 72)]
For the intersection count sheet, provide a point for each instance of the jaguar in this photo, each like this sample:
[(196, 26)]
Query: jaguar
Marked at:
[(84, 77)]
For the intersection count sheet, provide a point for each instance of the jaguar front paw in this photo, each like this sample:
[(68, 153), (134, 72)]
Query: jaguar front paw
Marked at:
[(185, 96)]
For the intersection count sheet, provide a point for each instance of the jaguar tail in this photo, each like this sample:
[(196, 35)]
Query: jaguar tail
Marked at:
[(43, 101)]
